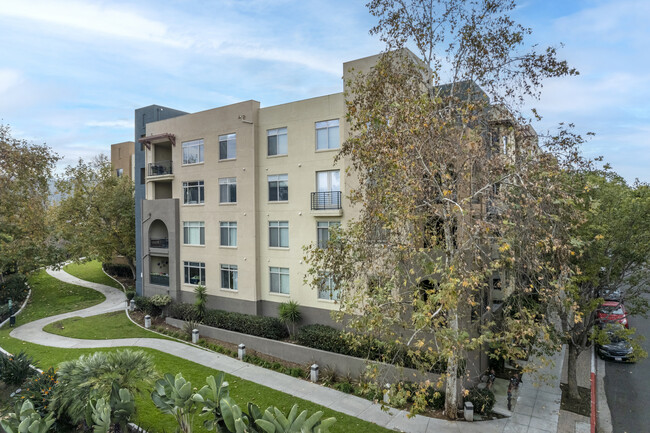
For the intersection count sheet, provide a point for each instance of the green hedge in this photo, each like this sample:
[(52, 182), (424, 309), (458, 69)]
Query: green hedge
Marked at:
[(330, 339), (260, 326), (145, 305)]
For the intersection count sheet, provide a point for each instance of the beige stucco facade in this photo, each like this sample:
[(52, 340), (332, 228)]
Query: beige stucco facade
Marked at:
[(253, 210), (123, 158)]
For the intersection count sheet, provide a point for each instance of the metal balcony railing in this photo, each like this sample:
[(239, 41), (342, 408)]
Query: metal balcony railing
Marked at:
[(160, 280), (159, 243), (326, 200), (160, 168)]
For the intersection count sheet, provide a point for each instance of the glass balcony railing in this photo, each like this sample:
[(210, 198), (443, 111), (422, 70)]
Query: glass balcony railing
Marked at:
[(159, 279), (160, 168)]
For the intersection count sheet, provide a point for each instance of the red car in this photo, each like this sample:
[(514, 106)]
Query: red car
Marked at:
[(612, 311)]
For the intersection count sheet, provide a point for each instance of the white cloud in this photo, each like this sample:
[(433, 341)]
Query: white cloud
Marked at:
[(93, 17), (9, 78)]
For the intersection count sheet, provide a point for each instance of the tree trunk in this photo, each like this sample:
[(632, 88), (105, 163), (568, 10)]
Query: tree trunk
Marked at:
[(572, 373), (131, 266), (451, 388)]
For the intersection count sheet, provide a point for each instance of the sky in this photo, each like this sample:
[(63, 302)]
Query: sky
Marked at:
[(72, 72)]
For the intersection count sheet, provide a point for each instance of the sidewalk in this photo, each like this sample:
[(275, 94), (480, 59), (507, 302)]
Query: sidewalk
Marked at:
[(536, 409)]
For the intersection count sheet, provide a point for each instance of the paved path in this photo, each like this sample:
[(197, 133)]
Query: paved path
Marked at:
[(536, 410)]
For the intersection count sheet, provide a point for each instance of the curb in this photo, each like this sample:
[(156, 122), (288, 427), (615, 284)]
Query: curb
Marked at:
[(593, 390)]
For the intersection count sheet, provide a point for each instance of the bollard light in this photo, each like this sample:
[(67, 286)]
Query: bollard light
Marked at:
[(314, 373), (241, 351), (387, 393), (195, 336), (147, 321)]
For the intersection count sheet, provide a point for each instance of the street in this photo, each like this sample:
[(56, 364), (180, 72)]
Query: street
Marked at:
[(628, 388)]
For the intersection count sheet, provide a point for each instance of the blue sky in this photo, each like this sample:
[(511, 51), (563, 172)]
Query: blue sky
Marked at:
[(72, 72)]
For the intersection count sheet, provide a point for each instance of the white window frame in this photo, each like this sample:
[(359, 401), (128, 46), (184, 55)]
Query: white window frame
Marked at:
[(324, 226), (277, 179), (194, 265), (200, 187), (228, 182), (276, 231), (229, 143), (190, 145), (279, 275), (326, 130), (281, 141), (229, 283), (230, 228), (189, 227), (327, 290)]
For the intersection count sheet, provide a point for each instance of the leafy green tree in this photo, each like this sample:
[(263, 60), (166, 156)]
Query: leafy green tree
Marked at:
[(25, 232), (437, 166), (611, 251), (91, 377), (95, 218)]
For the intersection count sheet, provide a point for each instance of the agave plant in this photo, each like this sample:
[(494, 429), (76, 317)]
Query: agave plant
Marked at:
[(26, 420), (111, 414)]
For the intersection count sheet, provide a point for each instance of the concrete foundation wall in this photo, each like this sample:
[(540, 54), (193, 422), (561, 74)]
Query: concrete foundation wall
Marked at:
[(342, 364)]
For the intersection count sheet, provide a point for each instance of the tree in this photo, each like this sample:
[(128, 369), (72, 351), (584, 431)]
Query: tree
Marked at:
[(25, 235), (611, 252), (96, 215), (438, 165)]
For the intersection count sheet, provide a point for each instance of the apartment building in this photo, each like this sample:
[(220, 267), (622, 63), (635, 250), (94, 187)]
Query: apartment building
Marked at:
[(227, 198), (123, 159), (231, 196)]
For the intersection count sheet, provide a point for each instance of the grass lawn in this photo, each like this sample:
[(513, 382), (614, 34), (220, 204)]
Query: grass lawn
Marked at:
[(49, 297), (91, 271), (102, 327)]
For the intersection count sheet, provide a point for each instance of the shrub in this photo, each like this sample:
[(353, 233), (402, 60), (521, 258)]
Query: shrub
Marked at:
[(145, 305), (345, 387), (323, 337), (13, 287), (122, 271), (289, 313), (435, 398), (186, 312), (161, 300), (201, 300), (14, 369), (38, 389), (130, 294), (482, 399)]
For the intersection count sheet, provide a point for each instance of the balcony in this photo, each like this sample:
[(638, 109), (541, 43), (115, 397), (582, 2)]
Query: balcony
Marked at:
[(159, 243), (326, 200), (160, 168), (159, 279)]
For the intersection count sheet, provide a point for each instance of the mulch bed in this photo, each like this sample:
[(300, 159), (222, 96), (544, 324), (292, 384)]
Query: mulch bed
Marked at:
[(581, 406)]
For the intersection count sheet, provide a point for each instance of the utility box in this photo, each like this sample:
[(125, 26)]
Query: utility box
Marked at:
[(469, 411)]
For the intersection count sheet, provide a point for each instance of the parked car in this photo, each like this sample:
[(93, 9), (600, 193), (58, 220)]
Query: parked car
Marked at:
[(618, 348), (611, 295), (612, 312)]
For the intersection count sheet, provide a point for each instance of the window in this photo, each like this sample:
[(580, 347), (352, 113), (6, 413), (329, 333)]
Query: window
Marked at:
[(279, 187), (120, 172), (279, 234), (277, 141), (193, 152), (323, 232), (327, 135), (328, 190), (279, 280), (193, 192), (194, 273), (228, 190), (228, 233), (194, 233), (228, 146), (327, 289), (229, 277)]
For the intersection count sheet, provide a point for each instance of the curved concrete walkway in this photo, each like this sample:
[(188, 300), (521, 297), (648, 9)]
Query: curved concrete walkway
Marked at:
[(358, 407)]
